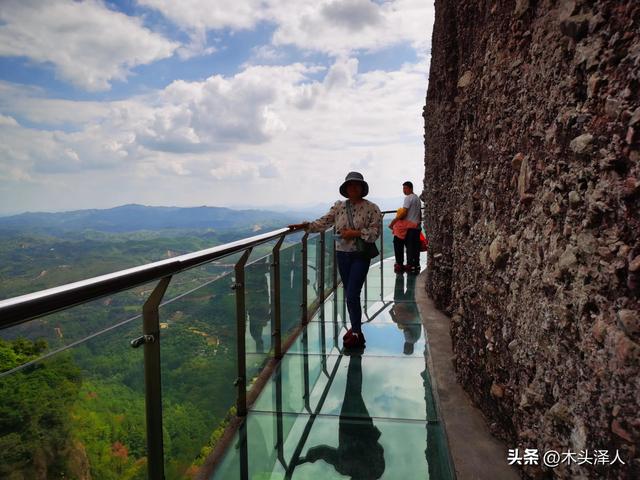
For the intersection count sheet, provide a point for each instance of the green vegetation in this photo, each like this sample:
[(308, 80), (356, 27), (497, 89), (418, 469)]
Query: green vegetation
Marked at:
[(35, 427), (80, 412)]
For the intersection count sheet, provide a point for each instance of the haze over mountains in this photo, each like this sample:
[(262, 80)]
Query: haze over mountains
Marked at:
[(134, 217), (128, 218)]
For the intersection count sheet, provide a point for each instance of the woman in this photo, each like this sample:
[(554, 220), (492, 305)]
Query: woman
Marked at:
[(352, 266)]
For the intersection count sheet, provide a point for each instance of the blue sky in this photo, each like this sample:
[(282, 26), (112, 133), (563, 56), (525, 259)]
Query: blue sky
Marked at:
[(201, 102)]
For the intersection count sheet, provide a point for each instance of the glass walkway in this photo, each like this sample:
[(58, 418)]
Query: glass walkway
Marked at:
[(146, 372), (331, 413)]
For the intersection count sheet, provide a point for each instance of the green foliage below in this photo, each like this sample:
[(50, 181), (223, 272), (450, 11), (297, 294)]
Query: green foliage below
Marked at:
[(81, 412), (35, 433)]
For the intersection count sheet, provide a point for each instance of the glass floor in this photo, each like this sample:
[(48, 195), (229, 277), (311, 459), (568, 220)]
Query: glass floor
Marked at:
[(330, 413)]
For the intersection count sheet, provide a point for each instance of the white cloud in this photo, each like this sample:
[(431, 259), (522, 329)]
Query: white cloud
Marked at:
[(336, 27), (265, 54), (270, 170), (341, 74), (339, 27), (355, 15), (87, 44), (31, 103), (277, 130), (220, 112), (7, 121), (203, 15)]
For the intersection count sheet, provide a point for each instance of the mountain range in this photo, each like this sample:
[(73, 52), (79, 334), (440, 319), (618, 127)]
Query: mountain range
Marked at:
[(133, 217)]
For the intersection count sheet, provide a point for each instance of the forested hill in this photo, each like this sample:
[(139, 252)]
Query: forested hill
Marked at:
[(129, 218)]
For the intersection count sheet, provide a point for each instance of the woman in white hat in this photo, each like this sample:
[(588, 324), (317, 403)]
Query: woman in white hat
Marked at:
[(353, 267)]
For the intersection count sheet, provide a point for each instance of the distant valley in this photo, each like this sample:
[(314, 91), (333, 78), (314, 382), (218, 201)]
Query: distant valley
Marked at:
[(43, 250), (129, 218)]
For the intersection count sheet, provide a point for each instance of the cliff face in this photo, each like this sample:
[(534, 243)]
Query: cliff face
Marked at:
[(532, 192)]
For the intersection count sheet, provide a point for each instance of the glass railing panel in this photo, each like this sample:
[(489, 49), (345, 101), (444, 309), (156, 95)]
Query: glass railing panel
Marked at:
[(78, 413), (290, 288), (386, 237), (329, 264), (75, 324), (259, 338), (199, 367), (196, 277), (313, 270)]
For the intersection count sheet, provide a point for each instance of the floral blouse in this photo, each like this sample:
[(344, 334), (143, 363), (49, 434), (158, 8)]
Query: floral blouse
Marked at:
[(366, 218)]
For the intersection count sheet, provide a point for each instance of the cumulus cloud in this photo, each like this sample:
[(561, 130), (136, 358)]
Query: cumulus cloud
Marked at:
[(7, 121), (208, 15), (265, 54), (234, 170), (65, 34), (32, 103), (264, 127), (220, 112), (342, 73), (352, 14), (336, 27), (339, 27)]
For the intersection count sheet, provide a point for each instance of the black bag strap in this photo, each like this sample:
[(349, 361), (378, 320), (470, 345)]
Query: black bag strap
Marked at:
[(350, 215)]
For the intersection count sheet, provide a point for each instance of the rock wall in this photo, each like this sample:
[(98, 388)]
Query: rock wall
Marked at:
[(532, 193)]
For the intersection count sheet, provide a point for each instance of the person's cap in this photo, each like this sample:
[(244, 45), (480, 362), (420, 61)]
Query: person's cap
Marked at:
[(354, 177)]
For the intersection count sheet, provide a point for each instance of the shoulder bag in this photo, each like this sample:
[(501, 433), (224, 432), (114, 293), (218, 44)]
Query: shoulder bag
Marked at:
[(367, 250)]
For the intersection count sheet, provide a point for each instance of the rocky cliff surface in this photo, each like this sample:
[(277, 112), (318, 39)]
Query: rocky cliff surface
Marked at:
[(532, 192)]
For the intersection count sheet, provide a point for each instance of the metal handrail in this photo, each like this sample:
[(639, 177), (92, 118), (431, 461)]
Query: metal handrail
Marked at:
[(21, 309), (17, 310)]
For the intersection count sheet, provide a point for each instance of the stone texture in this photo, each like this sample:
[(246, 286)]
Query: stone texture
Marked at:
[(532, 194)]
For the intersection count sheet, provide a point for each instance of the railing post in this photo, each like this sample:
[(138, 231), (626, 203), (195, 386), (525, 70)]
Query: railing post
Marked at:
[(241, 327), (279, 419), (152, 379), (321, 292), (335, 263), (305, 370), (335, 318), (365, 291), (277, 312), (381, 258), (305, 274)]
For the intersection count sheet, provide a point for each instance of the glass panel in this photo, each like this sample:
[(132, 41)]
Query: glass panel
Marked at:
[(386, 237), (313, 274), (199, 366), (258, 333), (79, 413), (321, 333), (329, 261), (336, 448), (385, 285), (290, 288), (66, 327), (389, 387)]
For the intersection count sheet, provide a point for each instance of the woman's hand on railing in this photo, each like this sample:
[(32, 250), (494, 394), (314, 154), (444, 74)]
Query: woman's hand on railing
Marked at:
[(298, 226)]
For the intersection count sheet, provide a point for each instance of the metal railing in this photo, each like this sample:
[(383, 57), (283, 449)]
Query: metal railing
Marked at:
[(22, 309)]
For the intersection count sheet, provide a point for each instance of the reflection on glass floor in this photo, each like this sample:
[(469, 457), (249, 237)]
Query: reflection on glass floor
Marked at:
[(330, 413)]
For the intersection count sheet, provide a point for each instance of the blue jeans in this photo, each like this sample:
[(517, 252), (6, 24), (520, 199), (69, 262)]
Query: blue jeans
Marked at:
[(353, 270)]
